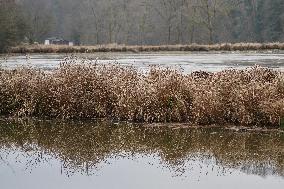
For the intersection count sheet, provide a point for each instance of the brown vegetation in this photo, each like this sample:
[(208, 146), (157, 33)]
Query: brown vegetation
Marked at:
[(125, 48), (85, 91)]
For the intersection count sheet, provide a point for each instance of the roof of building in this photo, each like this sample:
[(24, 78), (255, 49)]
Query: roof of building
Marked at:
[(56, 39)]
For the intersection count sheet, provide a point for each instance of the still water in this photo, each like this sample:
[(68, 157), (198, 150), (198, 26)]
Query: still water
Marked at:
[(185, 61), (107, 155)]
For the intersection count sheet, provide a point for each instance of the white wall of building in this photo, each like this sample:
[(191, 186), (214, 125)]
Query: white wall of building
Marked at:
[(46, 42)]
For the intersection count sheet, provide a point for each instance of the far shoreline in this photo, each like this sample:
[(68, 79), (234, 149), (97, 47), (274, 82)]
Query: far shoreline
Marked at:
[(225, 47)]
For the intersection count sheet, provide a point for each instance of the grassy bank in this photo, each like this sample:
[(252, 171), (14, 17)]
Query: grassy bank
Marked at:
[(83, 91), (124, 48)]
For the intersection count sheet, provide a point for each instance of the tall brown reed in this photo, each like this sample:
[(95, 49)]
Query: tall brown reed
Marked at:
[(253, 96)]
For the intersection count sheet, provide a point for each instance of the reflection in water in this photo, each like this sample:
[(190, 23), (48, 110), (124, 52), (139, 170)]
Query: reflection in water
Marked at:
[(84, 147)]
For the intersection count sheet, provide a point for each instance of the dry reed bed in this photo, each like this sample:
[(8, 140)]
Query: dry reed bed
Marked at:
[(125, 48), (249, 97)]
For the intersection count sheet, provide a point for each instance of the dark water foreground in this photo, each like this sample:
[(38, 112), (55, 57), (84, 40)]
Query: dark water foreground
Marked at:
[(50, 154)]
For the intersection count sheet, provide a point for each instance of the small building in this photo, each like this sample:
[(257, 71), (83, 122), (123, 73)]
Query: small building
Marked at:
[(57, 41)]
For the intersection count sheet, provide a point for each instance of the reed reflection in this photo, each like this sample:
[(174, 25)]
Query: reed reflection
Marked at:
[(82, 147)]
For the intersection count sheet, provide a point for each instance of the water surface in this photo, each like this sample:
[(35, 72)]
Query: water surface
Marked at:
[(50, 154), (185, 61)]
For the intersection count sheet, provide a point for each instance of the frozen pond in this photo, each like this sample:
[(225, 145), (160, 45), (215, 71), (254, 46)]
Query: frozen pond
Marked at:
[(186, 62), (49, 154)]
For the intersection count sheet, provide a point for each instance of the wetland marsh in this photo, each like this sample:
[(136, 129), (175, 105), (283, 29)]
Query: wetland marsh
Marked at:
[(113, 153)]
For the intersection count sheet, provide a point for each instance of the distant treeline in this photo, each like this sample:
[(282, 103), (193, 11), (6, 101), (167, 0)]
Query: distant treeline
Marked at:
[(142, 22), (13, 26)]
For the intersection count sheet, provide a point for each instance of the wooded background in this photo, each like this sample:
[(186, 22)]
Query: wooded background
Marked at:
[(142, 22)]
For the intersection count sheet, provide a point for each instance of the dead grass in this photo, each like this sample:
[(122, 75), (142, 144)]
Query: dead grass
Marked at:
[(76, 90), (125, 48)]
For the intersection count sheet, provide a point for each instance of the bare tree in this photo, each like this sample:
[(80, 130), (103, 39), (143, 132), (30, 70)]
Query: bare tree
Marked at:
[(154, 22)]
